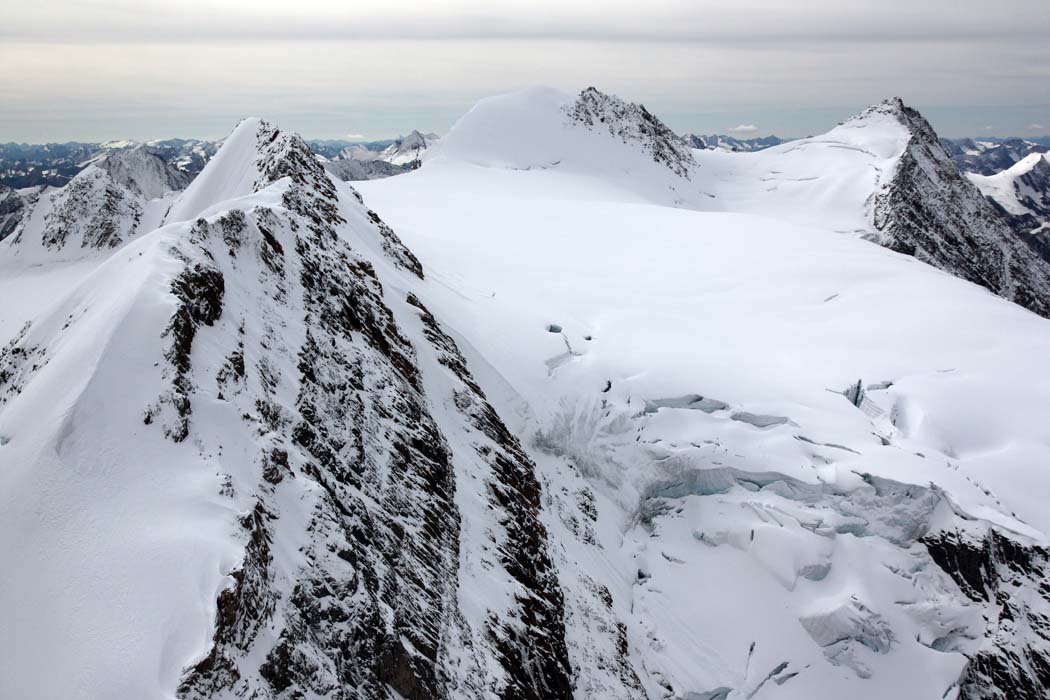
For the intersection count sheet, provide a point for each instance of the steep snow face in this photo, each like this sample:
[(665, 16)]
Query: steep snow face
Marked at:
[(729, 505), (1011, 188), (824, 181), (264, 467), (143, 172), (600, 439), (930, 210), (231, 173), (883, 175), (1022, 194)]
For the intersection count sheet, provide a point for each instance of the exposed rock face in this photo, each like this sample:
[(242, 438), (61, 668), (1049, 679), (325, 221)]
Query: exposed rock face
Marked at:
[(536, 663), (144, 172), (364, 605), (407, 150), (930, 210), (394, 538), (633, 123), (91, 211), (1011, 578), (12, 207), (989, 157), (1025, 203), (351, 169)]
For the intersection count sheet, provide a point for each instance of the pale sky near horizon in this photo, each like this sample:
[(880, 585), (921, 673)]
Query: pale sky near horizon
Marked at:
[(105, 69)]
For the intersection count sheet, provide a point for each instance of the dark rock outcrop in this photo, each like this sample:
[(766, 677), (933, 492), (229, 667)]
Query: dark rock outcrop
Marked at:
[(366, 606), (633, 123), (931, 211), (1012, 579)]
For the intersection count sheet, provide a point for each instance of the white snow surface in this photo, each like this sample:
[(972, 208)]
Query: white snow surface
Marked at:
[(824, 181), (231, 173), (1003, 187), (597, 296), (567, 273)]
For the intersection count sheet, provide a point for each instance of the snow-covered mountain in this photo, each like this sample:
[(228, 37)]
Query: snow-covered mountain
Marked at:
[(989, 156), (13, 204), (575, 411), (55, 164), (96, 211), (1022, 194), (403, 153), (352, 169), (144, 172), (716, 142), (407, 150)]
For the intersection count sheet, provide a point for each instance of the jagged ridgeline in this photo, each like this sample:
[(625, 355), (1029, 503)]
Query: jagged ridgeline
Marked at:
[(253, 446), (281, 333), (932, 211), (369, 606)]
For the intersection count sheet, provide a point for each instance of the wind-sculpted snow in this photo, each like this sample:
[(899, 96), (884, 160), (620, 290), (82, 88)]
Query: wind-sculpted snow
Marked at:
[(287, 391), (748, 432), (539, 425), (591, 137)]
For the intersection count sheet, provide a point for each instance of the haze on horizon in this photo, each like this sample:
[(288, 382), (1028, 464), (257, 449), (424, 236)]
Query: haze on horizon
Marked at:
[(143, 69)]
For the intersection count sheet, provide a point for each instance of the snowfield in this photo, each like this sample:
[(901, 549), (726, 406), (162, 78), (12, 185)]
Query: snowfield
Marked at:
[(576, 411)]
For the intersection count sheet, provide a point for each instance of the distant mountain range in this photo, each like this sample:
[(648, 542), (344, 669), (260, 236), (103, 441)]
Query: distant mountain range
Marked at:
[(54, 164), (720, 142), (1008, 171), (574, 411)]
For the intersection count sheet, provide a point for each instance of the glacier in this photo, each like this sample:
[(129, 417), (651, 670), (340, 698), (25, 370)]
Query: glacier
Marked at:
[(572, 410)]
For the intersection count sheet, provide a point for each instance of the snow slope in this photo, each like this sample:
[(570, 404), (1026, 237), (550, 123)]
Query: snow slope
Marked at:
[(1021, 189), (604, 418), (604, 323), (882, 175), (223, 476)]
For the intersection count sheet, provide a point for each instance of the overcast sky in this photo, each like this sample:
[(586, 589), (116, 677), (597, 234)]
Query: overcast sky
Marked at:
[(103, 69)]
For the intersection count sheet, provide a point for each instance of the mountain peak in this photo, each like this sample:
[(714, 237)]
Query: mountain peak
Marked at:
[(92, 211), (143, 172), (928, 209), (632, 122), (254, 155)]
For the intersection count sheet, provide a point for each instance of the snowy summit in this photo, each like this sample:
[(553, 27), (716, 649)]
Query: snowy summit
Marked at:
[(562, 405)]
